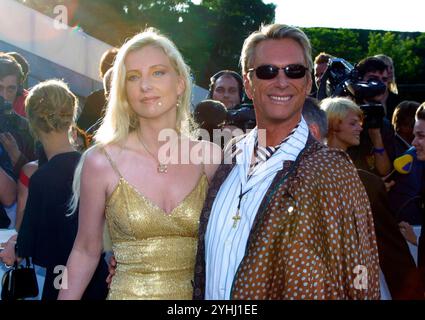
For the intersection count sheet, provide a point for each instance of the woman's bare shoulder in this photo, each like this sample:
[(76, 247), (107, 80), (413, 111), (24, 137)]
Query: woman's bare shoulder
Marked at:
[(211, 156), (99, 158)]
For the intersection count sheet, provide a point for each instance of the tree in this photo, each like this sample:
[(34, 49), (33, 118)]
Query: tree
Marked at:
[(341, 43), (401, 49)]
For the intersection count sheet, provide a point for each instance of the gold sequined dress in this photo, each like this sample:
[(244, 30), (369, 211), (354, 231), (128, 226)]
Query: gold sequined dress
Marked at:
[(155, 251)]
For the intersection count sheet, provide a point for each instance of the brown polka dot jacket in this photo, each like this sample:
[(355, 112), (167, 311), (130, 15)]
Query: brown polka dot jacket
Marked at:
[(312, 238)]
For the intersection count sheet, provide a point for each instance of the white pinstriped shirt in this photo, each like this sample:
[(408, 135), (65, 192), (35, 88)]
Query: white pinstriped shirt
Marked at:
[(225, 245)]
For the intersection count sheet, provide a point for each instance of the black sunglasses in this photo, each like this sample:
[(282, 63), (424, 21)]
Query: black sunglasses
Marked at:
[(269, 71)]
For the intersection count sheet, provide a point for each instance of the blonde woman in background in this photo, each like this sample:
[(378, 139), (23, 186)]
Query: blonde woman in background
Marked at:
[(151, 206), (47, 232)]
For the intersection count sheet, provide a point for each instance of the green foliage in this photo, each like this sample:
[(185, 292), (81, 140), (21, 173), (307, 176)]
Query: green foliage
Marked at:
[(406, 49), (341, 43), (401, 50)]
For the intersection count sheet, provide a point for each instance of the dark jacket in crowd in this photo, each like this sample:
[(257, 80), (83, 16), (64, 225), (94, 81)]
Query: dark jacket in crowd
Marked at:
[(396, 262), (47, 233)]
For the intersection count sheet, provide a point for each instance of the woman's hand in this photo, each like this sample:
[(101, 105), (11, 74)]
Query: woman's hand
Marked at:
[(112, 265)]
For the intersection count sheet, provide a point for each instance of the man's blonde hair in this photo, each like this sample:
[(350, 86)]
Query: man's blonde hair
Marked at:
[(274, 32)]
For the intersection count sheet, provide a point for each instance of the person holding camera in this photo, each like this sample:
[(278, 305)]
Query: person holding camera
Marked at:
[(14, 130), (22, 92), (226, 86), (320, 66), (376, 151)]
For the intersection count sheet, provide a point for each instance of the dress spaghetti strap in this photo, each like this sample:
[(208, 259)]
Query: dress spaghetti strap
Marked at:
[(113, 165)]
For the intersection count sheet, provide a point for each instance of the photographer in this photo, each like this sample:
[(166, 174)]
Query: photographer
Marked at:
[(320, 65), (14, 131), (226, 86), (22, 93), (376, 150)]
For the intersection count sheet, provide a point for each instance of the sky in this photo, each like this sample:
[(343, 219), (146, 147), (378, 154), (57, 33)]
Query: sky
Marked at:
[(392, 15)]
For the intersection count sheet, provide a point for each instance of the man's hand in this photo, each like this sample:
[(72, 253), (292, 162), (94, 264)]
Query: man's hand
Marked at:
[(375, 137), (112, 265)]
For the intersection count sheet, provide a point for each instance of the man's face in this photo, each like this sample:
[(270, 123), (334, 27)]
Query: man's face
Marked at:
[(226, 90), (378, 76), (278, 100), (319, 70), (9, 88), (419, 141)]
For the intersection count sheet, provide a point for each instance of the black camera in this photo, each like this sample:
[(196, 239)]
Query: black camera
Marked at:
[(242, 116), (210, 114), (9, 120), (341, 79), (5, 107)]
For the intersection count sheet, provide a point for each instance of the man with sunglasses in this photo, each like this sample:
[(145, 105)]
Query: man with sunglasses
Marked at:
[(285, 217)]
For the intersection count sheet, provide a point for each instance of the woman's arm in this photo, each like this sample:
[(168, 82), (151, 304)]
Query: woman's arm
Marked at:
[(87, 249), (26, 173), (7, 189)]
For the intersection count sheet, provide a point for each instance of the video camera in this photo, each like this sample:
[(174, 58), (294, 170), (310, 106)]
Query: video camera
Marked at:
[(9, 120), (242, 116), (341, 79), (211, 114)]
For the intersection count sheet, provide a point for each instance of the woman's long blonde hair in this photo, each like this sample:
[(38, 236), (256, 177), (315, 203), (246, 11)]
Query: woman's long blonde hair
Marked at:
[(120, 119)]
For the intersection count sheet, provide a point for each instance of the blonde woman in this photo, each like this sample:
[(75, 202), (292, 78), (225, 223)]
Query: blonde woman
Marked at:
[(47, 232), (344, 122), (151, 205)]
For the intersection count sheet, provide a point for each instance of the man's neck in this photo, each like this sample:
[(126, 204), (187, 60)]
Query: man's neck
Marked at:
[(273, 134)]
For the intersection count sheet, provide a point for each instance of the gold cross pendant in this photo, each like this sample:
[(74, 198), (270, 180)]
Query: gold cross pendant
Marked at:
[(236, 218)]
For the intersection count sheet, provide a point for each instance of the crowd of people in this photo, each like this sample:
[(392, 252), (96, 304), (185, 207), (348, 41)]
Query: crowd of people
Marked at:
[(297, 198)]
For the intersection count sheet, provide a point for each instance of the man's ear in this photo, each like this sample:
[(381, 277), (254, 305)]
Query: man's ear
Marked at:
[(315, 131), (248, 86)]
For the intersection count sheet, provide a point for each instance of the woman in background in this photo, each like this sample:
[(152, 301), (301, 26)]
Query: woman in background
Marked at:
[(48, 232)]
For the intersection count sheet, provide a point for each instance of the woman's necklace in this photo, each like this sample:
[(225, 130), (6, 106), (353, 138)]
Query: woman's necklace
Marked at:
[(162, 168)]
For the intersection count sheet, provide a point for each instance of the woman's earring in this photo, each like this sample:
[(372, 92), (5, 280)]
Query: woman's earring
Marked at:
[(178, 102)]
